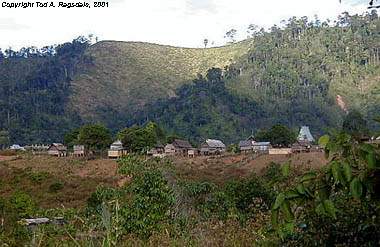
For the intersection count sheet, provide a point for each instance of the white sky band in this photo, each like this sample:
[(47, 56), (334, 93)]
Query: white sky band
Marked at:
[(173, 22)]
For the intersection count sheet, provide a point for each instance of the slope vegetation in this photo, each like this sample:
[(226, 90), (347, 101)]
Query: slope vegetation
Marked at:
[(126, 75)]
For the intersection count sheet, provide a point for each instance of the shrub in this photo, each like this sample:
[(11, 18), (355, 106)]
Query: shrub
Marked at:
[(38, 177), (23, 204), (102, 194), (56, 186)]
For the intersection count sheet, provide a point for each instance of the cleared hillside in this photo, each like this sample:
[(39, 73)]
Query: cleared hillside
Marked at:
[(126, 75)]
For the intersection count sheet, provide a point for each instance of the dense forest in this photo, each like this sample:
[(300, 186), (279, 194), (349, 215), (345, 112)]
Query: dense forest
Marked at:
[(34, 90), (206, 108), (305, 64), (290, 74)]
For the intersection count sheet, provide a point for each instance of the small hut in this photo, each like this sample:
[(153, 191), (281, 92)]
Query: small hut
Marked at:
[(245, 146), (116, 150), (305, 135), (157, 151), (79, 151), (181, 147), (261, 147), (169, 149), (57, 149)]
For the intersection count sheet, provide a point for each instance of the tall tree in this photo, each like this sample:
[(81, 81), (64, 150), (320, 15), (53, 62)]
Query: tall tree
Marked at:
[(354, 124), (95, 137)]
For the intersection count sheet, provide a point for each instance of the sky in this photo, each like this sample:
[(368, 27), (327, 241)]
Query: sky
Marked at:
[(183, 23)]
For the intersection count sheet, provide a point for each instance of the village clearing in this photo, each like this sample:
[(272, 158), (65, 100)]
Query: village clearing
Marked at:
[(37, 175)]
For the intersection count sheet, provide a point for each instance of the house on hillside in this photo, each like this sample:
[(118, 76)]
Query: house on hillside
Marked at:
[(57, 149), (191, 153), (37, 149), (79, 151), (16, 147), (157, 151), (116, 150), (178, 147), (211, 146), (261, 147), (245, 146), (305, 135), (169, 149)]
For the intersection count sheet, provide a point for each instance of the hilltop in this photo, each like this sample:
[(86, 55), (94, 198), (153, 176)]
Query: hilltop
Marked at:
[(124, 76)]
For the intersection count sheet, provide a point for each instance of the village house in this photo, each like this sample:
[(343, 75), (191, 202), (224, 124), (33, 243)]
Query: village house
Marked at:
[(37, 149), (16, 147), (261, 147), (116, 150), (304, 141), (57, 149), (191, 153), (79, 151), (169, 149), (157, 151), (251, 145), (211, 146), (305, 135), (245, 146), (178, 147)]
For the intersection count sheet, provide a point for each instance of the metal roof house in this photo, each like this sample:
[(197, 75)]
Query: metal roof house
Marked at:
[(245, 146), (116, 150), (261, 146), (305, 135)]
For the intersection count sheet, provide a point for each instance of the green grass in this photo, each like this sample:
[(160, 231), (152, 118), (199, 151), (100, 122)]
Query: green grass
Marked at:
[(127, 75)]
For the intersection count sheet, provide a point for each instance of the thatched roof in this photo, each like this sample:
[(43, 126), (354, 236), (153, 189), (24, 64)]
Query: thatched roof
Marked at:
[(177, 143), (58, 146), (305, 135)]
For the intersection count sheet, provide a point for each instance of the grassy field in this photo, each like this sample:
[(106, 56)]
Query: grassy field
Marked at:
[(80, 177)]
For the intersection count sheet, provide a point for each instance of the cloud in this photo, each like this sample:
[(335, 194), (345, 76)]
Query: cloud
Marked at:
[(195, 6), (10, 24)]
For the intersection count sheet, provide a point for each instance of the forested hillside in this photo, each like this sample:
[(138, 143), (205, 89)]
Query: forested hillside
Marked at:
[(290, 74), (305, 65), (34, 90)]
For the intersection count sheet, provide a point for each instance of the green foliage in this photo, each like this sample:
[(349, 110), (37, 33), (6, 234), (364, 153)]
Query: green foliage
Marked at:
[(151, 197), (56, 186), (4, 139), (233, 148), (350, 175), (23, 204), (277, 135), (71, 138), (38, 177), (354, 124), (95, 137), (35, 90), (237, 199), (203, 109), (97, 198), (138, 139)]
